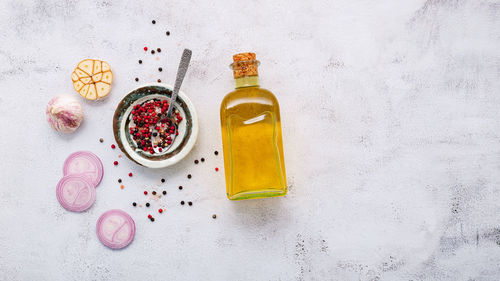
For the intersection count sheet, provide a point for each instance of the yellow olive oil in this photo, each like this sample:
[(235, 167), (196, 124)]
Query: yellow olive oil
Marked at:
[(254, 165)]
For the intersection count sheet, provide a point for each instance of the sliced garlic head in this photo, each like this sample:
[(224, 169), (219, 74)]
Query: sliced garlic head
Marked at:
[(92, 79)]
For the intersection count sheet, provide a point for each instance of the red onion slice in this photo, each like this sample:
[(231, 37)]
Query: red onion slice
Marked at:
[(115, 229), (84, 163), (75, 193)]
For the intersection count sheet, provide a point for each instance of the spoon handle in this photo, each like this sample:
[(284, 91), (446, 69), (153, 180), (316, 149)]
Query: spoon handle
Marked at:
[(181, 72)]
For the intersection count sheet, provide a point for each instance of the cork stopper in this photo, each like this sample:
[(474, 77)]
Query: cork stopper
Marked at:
[(245, 64)]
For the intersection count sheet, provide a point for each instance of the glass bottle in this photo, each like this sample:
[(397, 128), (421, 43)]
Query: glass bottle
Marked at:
[(251, 136)]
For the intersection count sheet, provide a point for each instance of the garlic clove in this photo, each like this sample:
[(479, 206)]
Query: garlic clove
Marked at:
[(83, 92), (80, 73), (107, 77), (87, 66), (85, 80), (78, 85), (92, 93), (105, 66), (97, 66), (97, 77), (102, 89)]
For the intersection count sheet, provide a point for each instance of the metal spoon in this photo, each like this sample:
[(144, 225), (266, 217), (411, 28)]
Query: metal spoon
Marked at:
[(181, 72)]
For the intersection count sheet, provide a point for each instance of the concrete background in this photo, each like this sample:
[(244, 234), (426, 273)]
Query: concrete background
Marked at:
[(391, 125)]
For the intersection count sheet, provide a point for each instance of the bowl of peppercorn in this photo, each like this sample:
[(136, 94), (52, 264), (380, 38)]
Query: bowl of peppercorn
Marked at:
[(146, 135)]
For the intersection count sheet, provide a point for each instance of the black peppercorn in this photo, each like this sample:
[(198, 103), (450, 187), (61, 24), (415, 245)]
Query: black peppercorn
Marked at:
[(159, 80), (152, 219), (160, 69), (196, 161), (182, 202), (168, 33), (158, 50), (147, 204), (154, 192), (164, 192), (136, 79), (140, 61), (120, 180), (101, 140), (202, 159), (162, 180), (180, 187), (216, 152), (189, 176), (152, 52), (214, 216), (153, 22), (190, 203), (134, 204)]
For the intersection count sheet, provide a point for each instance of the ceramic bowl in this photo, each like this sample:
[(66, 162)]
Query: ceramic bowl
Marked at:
[(182, 144)]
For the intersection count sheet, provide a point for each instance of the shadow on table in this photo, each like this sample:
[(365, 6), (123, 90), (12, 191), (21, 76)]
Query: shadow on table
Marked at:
[(261, 212)]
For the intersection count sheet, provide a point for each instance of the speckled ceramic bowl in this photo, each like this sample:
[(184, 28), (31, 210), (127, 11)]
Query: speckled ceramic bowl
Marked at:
[(183, 143)]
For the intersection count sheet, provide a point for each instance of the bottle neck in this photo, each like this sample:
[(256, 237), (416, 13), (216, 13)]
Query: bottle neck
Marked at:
[(246, 81)]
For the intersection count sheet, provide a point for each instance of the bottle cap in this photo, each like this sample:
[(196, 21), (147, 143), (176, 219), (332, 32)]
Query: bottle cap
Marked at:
[(245, 64)]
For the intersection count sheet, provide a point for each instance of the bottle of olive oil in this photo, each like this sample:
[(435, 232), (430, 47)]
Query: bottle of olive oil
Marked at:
[(251, 136)]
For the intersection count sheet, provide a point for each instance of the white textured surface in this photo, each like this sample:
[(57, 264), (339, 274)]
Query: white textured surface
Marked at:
[(393, 163)]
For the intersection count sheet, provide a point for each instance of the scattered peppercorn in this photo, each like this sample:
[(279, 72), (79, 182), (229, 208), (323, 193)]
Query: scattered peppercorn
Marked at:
[(160, 211), (153, 22), (202, 159), (134, 204), (214, 216), (145, 48), (154, 192), (190, 203), (159, 80), (182, 202), (162, 180), (216, 169), (122, 186), (140, 61), (119, 180), (136, 79), (196, 161), (113, 146), (180, 187), (101, 140), (150, 216), (145, 192), (147, 204), (168, 33), (189, 176), (115, 163), (152, 219), (164, 192), (129, 174), (216, 152), (160, 69), (152, 52), (158, 50)]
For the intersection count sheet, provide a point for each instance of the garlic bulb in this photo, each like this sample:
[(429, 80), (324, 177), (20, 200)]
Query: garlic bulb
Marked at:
[(64, 113)]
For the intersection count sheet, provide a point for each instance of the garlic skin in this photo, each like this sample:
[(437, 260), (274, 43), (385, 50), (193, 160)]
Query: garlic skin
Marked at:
[(64, 113)]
